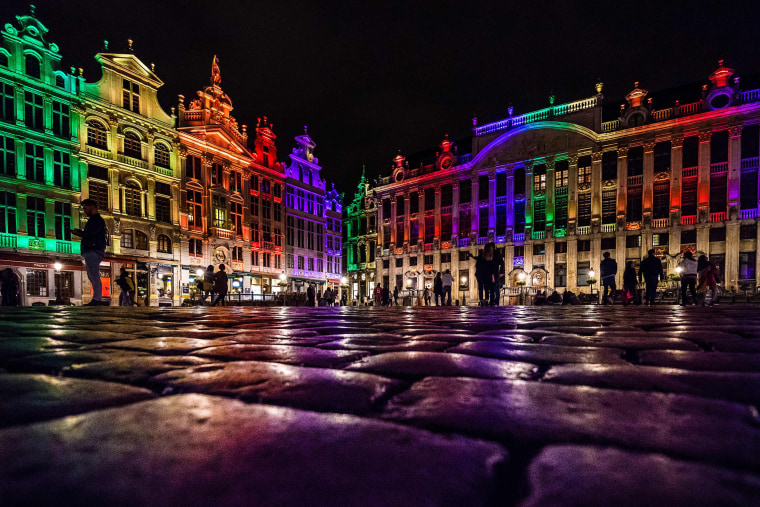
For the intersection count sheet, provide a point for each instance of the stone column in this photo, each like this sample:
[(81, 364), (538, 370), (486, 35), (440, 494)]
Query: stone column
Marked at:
[(454, 216), (474, 209), (734, 171), (572, 203), (596, 188), (492, 203), (622, 177), (620, 251), (47, 157), (151, 198), (550, 182), (703, 238), (648, 189), (151, 155), (113, 177), (572, 262), (676, 167), (703, 185), (731, 276), (50, 218), (437, 217), (528, 207)]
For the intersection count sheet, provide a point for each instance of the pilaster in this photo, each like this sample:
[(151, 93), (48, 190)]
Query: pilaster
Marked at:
[(622, 177), (648, 190), (676, 168), (596, 188), (703, 185), (550, 218), (734, 168)]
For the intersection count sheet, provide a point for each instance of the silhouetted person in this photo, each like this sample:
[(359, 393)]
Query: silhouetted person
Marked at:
[(688, 277), (651, 272), (9, 287), (607, 273), (438, 289), (220, 285), (93, 249)]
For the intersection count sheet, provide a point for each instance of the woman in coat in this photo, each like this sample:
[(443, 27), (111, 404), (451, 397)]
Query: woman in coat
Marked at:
[(630, 284), (438, 288)]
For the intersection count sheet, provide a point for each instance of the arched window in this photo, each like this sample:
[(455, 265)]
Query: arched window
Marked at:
[(97, 135), (60, 81), (161, 153), (3, 59), (132, 201), (164, 244), (141, 240), (32, 66), (132, 145)]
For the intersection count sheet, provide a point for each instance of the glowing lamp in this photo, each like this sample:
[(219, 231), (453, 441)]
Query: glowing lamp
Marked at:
[(592, 274), (199, 272), (160, 276), (521, 275), (464, 279), (679, 269), (343, 280), (57, 266), (409, 282), (283, 276)]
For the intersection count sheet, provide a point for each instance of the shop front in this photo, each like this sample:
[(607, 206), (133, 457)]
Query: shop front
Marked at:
[(44, 280)]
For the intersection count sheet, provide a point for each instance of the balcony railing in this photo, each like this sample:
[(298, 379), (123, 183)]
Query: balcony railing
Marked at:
[(99, 152), (608, 227), (750, 163), (518, 236), (136, 162), (267, 245), (539, 234), (609, 126), (166, 171), (501, 201), (688, 172), (583, 230), (223, 233), (539, 260), (660, 223), (635, 180), (718, 216), (748, 213), (8, 241), (534, 116), (464, 242), (688, 219), (482, 241), (719, 168), (64, 247), (445, 210), (750, 95)]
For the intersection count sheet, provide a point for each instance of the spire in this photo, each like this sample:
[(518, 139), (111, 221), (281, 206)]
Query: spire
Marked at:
[(216, 76)]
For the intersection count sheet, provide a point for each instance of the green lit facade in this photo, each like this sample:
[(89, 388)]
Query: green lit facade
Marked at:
[(40, 171), (361, 242)]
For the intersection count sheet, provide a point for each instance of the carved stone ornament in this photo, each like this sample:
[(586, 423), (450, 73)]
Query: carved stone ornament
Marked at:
[(622, 151), (704, 137), (648, 147), (582, 187), (116, 226), (676, 142), (609, 183), (597, 156), (663, 176), (153, 233)]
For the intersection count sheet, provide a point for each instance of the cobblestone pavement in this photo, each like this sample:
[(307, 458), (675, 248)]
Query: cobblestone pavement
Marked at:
[(343, 406)]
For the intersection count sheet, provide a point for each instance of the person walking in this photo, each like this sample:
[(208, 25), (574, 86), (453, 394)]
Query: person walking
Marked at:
[(426, 295), (630, 285), (343, 299), (438, 289), (395, 295), (9, 287), (378, 294), (328, 295), (651, 272), (310, 295), (480, 277), (688, 277), (386, 296), (93, 248), (220, 285), (607, 273), (127, 286), (708, 280), (447, 280), (207, 284)]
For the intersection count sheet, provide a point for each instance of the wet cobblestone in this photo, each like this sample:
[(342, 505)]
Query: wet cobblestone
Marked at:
[(346, 406)]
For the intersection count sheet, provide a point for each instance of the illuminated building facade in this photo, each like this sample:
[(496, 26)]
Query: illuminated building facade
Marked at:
[(305, 231), (40, 171), (231, 195), (361, 242), (557, 187), (131, 157)]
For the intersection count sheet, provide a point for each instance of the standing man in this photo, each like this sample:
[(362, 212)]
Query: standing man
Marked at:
[(447, 281), (93, 248), (608, 272), (220, 285), (688, 277), (310, 295), (651, 271)]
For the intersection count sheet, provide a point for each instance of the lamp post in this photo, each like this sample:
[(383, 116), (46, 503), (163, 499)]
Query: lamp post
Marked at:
[(521, 283), (58, 266), (343, 289), (464, 290), (678, 285), (591, 281)]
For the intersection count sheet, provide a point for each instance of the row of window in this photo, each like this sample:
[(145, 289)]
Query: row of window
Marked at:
[(35, 216), (34, 163), (306, 234), (267, 259), (302, 200), (133, 238), (34, 117), (97, 136), (131, 199), (309, 263), (32, 64)]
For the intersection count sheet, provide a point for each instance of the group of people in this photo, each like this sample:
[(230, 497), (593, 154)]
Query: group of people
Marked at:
[(489, 269), (697, 276), (213, 286), (327, 298)]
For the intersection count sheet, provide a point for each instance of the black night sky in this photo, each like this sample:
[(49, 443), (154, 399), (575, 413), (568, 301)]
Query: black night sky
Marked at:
[(370, 78)]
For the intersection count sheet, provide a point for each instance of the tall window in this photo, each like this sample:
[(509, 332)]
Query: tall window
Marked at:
[(560, 212), (132, 145), (636, 161), (539, 178), (63, 221), (8, 212), (163, 209), (161, 155), (61, 119), (429, 229), (399, 234), (266, 209), (7, 95), (277, 212), (35, 163), (584, 175), (560, 177), (539, 215), (194, 209), (290, 232), (99, 193), (634, 205), (689, 196), (7, 156), (127, 238), (519, 216), (132, 199), (584, 209), (32, 66), (164, 244), (300, 233), (3, 59), (61, 169), (217, 174), (236, 217), (36, 282), (255, 259), (141, 240), (194, 168), (35, 216), (219, 205), (237, 253), (236, 181), (414, 231), (483, 222), (196, 247), (465, 222), (33, 117), (661, 196), (97, 135), (465, 191), (609, 206), (310, 235), (130, 96)]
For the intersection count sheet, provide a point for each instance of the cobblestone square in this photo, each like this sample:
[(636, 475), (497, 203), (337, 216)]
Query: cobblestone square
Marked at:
[(415, 406)]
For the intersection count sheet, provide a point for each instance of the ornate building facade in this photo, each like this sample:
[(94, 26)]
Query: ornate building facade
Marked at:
[(131, 157), (41, 176), (361, 242), (557, 187)]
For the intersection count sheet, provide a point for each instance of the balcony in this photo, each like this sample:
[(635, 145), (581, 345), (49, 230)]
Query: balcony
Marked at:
[(135, 162), (719, 216), (428, 247), (501, 201), (222, 233), (445, 210), (482, 241), (99, 152), (660, 223), (583, 230), (8, 241), (608, 227), (464, 242), (166, 171), (518, 236), (689, 220), (539, 234), (267, 245), (539, 260), (746, 214), (689, 172), (635, 180), (237, 266), (719, 168)]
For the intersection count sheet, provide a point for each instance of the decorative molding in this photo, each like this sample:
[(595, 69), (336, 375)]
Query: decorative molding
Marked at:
[(649, 147), (704, 137), (676, 142), (622, 151), (597, 156), (609, 183), (662, 176)]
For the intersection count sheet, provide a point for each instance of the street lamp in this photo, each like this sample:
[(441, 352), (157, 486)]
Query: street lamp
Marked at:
[(678, 286), (199, 272), (58, 266), (591, 281), (521, 282), (463, 283)]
